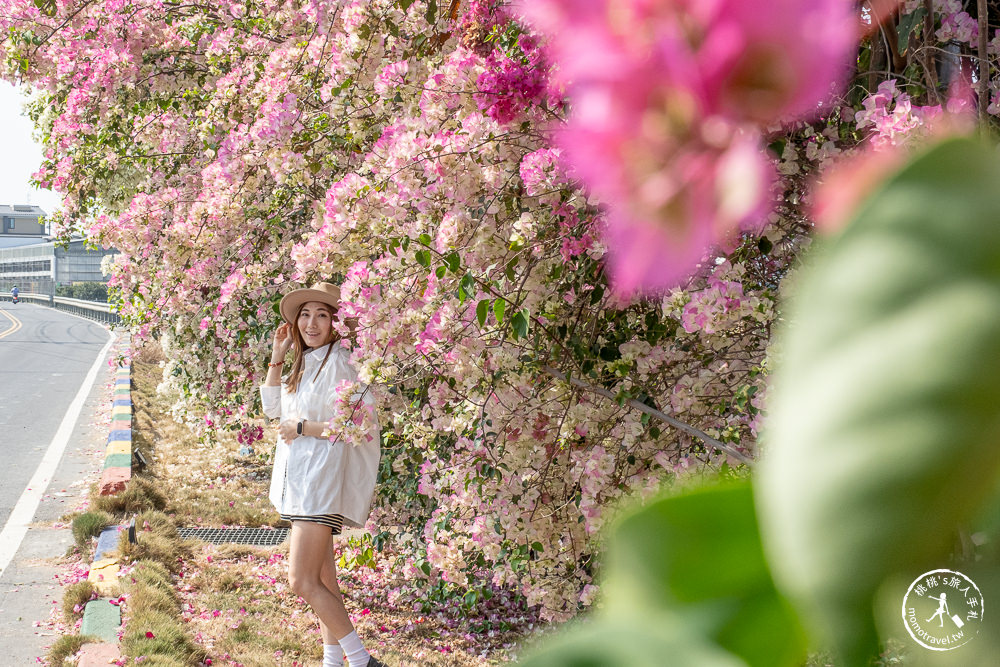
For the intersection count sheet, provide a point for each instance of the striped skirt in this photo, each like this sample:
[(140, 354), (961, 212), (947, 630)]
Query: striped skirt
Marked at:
[(335, 522)]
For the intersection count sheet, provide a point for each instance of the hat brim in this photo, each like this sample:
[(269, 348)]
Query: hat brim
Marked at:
[(291, 302)]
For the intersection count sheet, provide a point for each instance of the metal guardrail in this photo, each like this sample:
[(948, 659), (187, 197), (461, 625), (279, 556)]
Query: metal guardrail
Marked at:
[(92, 310)]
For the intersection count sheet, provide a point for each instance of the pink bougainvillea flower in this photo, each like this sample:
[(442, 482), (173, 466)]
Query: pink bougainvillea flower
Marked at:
[(666, 98), (772, 59), (756, 59)]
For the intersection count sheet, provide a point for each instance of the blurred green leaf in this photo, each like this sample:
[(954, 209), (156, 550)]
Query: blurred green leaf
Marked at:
[(884, 429), (643, 643), (687, 576), (908, 24)]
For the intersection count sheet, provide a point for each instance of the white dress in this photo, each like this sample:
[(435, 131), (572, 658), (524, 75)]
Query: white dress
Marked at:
[(314, 476)]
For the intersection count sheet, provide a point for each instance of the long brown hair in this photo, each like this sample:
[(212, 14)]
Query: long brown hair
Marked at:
[(299, 345)]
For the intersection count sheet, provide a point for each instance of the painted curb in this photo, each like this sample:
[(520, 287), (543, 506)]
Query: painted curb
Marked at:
[(99, 655), (104, 575), (119, 448), (118, 460), (107, 542), (100, 617)]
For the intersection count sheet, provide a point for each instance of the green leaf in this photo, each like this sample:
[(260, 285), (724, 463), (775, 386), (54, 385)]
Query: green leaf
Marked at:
[(597, 294), (425, 239), (883, 427), (467, 287), (907, 25), (686, 576), (482, 310), (431, 14), (454, 262), (498, 308), (520, 324), (642, 643), (423, 258), (440, 271), (764, 245)]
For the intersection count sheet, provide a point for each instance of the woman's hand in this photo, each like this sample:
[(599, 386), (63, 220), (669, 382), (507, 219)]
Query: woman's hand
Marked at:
[(282, 342), (287, 430)]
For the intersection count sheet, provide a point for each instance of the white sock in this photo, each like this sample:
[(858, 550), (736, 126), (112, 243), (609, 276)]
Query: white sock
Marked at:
[(354, 650), (333, 655)]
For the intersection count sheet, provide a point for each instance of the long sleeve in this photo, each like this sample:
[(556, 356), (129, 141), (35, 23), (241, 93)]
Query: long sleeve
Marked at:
[(270, 400)]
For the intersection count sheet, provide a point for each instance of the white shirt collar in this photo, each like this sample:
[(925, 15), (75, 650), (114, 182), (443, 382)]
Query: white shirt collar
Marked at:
[(318, 353)]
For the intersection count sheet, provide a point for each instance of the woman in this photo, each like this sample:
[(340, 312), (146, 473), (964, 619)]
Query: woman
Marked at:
[(318, 484)]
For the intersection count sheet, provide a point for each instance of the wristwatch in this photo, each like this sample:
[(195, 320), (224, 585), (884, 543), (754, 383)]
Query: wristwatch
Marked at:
[(298, 427)]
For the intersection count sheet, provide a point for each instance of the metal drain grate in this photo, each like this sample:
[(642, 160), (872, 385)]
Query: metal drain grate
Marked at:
[(258, 537)]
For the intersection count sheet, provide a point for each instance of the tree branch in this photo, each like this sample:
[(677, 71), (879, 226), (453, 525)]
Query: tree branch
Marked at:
[(653, 412)]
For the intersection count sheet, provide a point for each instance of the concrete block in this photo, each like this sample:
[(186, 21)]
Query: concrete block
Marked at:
[(113, 480), (99, 655), (102, 619), (121, 401), (104, 575), (119, 448), (120, 434), (107, 542), (118, 461)]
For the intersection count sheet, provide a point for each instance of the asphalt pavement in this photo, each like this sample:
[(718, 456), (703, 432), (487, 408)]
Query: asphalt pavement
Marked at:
[(48, 369)]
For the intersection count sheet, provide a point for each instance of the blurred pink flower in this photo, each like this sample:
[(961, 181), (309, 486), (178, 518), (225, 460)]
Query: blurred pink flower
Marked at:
[(666, 98)]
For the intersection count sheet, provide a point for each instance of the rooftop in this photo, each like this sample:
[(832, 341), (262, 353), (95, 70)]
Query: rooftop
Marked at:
[(21, 209)]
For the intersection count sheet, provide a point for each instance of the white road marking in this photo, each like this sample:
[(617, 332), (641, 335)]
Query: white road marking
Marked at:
[(17, 523)]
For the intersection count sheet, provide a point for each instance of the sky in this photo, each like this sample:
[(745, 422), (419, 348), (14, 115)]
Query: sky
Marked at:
[(20, 156)]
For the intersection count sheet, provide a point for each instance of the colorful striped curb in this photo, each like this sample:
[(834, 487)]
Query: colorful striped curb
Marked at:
[(118, 460), (103, 617)]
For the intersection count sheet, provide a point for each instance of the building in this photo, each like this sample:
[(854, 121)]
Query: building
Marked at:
[(34, 263), (22, 221)]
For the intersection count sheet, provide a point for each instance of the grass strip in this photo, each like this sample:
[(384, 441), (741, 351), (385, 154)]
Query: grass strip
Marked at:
[(64, 648)]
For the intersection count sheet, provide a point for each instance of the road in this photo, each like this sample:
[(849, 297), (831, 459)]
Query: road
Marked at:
[(49, 369), (44, 357)]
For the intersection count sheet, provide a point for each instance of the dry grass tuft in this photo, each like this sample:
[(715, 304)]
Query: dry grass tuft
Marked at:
[(141, 493), (89, 525), (147, 351), (66, 647), (154, 632), (151, 589), (75, 597), (157, 540), (162, 661), (154, 623)]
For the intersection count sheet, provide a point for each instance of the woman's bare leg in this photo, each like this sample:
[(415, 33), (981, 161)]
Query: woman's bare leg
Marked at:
[(311, 547), (328, 575)]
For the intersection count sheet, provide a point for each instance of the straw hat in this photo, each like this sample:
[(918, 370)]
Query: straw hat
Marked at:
[(322, 292)]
